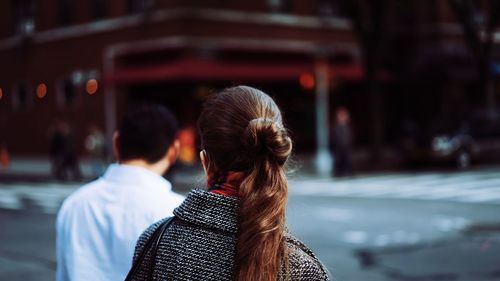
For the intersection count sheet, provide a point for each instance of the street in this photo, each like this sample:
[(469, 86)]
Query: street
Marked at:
[(398, 226), (385, 115)]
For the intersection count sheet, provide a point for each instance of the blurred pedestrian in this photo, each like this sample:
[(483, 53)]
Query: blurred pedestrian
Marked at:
[(56, 143), (70, 164), (342, 142), (98, 225), (235, 230), (95, 145), (64, 153)]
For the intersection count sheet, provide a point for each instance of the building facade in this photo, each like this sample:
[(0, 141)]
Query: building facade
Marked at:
[(85, 62)]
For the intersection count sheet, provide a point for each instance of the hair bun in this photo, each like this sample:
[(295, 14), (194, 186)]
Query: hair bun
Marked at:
[(267, 138)]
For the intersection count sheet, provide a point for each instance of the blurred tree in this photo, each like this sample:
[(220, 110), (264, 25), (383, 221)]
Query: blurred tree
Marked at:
[(478, 25), (368, 22)]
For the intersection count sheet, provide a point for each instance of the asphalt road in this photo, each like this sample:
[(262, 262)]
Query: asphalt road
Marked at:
[(385, 239), (426, 226)]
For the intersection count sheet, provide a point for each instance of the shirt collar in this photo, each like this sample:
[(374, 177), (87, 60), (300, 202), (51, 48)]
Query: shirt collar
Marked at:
[(134, 175)]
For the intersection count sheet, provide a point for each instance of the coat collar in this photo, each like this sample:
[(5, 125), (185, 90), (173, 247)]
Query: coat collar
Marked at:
[(210, 210)]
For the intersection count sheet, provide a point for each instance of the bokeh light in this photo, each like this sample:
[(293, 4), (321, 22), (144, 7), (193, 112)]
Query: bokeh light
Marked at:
[(1, 93), (91, 86), (306, 81), (41, 90)]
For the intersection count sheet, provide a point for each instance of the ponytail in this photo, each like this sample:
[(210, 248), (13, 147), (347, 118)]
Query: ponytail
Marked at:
[(261, 245)]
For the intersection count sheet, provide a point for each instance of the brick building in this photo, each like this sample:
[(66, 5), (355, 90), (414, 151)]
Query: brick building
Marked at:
[(86, 61)]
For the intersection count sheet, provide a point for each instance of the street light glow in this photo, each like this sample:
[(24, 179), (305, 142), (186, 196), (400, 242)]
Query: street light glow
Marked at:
[(41, 90), (307, 81), (91, 86)]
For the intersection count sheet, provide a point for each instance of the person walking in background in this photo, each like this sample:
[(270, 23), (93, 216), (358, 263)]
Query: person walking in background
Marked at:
[(98, 226), (235, 230), (342, 142), (95, 144), (70, 164), (56, 140), (63, 152)]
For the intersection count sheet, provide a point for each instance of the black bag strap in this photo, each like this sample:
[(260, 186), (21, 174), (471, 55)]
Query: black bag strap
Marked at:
[(155, 238)]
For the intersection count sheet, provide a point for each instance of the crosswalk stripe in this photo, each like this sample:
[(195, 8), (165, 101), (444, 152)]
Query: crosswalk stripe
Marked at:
[(423, 192), (481, 198), (47, 198), (9, 202), (471, 186), (400, 179), (468, 192)]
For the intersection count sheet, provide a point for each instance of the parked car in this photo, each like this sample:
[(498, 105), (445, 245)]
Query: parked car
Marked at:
[(474, 140)]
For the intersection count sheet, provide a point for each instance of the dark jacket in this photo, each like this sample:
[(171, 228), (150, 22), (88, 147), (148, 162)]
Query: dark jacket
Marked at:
[(200, 244)]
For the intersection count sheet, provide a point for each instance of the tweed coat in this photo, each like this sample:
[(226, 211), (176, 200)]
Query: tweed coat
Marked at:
[(200, 244)]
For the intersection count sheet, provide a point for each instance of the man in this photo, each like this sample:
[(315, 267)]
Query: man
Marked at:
[(342, 141), (98, 226)]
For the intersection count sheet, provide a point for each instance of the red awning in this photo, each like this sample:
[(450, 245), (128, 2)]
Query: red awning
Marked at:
[(205, 69)]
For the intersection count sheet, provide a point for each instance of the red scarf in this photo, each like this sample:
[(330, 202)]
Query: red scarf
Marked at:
[(225, 184)]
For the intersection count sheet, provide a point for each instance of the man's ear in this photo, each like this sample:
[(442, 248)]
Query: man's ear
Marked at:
[(116, 145), (173, 152)]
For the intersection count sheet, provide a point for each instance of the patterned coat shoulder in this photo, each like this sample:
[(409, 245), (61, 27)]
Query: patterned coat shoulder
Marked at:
[(304, 265)]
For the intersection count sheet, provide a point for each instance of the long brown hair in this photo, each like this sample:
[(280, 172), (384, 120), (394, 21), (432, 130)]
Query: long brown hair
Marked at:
[(241, 130)]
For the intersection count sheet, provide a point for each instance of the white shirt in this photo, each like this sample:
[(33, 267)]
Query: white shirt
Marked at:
[(98, 226)]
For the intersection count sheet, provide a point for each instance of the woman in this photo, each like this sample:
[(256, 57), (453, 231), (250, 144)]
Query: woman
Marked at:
[(236, 229)]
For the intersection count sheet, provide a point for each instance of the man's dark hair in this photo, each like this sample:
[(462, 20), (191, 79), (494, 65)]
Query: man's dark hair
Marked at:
[(147, 131)]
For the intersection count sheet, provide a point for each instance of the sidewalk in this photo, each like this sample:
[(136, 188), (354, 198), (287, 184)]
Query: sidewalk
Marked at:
[(37, 170), (302, 164)]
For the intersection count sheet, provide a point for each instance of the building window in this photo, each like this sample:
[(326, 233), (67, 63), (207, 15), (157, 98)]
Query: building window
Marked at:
[(65, 12), (137, 6), (24, 17), (22, 97), (99, 9)]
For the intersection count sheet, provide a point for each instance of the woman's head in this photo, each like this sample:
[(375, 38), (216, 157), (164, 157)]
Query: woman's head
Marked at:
[(241, 126), (242, 131)]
